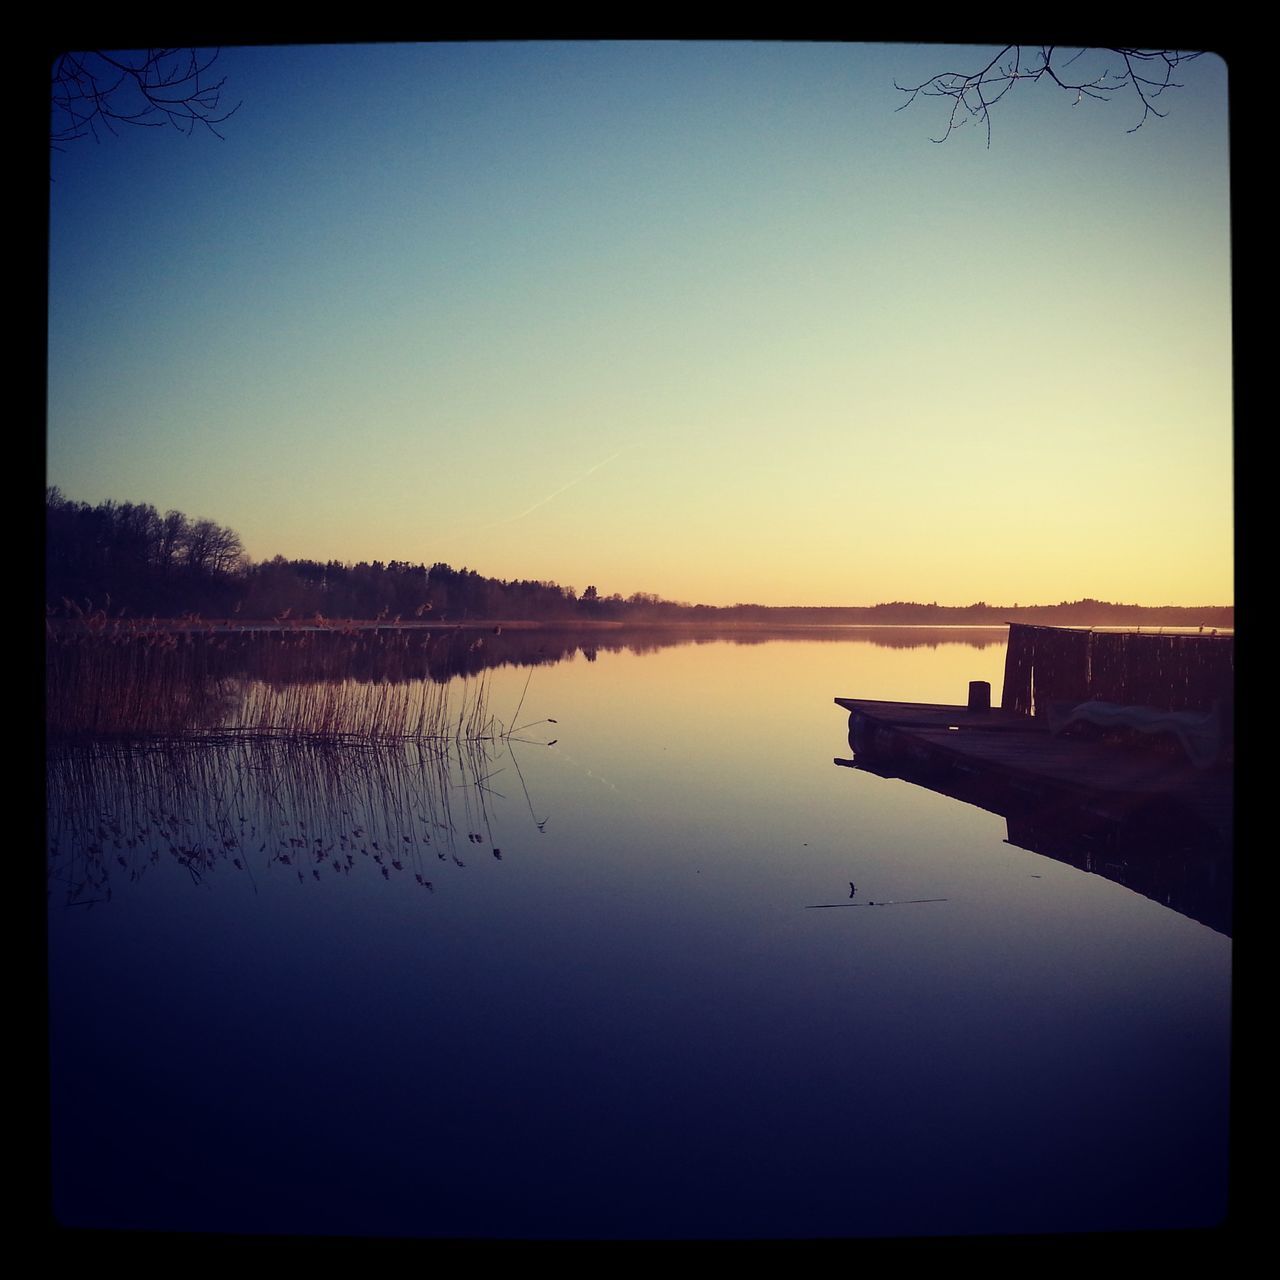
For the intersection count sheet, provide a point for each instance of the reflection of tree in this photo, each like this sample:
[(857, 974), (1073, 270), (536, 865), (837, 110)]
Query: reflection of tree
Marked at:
[(108, 676), (304, 811)]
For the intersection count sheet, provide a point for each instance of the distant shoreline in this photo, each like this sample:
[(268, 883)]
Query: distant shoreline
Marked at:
[(497, 625)]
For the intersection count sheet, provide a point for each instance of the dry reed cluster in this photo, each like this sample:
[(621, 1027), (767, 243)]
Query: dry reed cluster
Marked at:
[(350, 709), (116, 679)]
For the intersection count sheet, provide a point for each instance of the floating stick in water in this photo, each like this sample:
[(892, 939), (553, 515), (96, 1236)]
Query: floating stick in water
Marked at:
[(897, 902)]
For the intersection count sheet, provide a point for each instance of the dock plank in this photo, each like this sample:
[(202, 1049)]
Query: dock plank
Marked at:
[(925, 715), (1016, 748)]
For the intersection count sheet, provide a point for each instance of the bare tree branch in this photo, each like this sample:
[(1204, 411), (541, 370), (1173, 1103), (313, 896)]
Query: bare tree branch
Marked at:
[(149, 88), (1146, 73)]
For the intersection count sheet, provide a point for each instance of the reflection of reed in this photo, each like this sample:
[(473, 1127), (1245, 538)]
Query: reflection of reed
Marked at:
[(265, 807)]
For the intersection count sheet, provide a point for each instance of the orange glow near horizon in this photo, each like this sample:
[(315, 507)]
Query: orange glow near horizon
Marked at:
[(708, 321)]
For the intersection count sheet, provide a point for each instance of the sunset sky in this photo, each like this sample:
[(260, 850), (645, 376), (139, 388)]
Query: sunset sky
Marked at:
[(714, 321)]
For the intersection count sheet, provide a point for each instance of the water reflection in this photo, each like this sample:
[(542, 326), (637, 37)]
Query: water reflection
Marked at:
[(637, 1032), (1166, 852), (135, 680), (254, 807)]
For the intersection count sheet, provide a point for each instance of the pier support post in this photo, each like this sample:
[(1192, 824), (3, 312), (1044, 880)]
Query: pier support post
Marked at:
[(979, 695)]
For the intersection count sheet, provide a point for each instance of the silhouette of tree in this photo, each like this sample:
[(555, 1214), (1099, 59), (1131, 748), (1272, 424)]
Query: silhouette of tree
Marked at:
[(212, 550), (151, 88), (130, 554), (1102, 74)]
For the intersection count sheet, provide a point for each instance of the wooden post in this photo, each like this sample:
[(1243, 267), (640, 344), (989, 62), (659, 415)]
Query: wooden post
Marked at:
[(979, 695)]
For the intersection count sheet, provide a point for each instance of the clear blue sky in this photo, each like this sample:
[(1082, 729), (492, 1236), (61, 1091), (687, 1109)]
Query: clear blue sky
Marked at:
[(709, 320)]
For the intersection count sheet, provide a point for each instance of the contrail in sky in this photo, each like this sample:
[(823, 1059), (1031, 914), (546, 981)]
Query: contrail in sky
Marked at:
[(542, 502)]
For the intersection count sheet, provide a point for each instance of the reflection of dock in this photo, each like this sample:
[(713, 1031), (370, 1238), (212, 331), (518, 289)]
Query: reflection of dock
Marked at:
[(1128, 806), (1173, 846)]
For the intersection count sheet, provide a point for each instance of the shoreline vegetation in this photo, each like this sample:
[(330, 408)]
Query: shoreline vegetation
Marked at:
[(159, 627), (113, 677), (316, 686), (1127, 619), (126, 564)]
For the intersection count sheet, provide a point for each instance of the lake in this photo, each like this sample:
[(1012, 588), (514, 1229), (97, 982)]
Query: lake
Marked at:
[(571, 984)]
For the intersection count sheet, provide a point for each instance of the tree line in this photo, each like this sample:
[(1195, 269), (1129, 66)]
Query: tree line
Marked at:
[(126, 555), (127, 558)]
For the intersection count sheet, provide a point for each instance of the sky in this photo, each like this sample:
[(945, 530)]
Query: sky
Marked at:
[(716, 321)]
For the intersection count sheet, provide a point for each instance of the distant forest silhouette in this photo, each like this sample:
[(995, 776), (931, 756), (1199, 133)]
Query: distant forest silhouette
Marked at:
[(125, 558)]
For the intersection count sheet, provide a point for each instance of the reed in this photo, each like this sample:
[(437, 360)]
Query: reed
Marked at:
[(144, 684), (350, 709), (139, 681)]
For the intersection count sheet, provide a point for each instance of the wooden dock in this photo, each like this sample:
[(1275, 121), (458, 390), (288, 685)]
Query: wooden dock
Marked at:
[(1003, 754), (1121, 803), (1147, 820)]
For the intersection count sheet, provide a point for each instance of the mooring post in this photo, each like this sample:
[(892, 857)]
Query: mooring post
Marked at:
[(979, 695)]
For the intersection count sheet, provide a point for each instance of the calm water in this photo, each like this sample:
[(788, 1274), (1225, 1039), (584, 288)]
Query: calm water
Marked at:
[(574, 990)]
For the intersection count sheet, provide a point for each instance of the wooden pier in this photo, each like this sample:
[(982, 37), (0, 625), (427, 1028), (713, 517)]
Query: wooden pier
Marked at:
[(1143, 818), (1008, 751), (1129, 805)]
